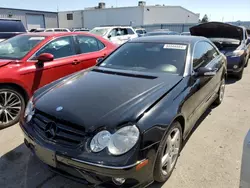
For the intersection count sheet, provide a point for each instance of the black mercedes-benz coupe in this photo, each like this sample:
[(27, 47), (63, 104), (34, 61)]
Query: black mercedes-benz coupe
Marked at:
[(122, 123)]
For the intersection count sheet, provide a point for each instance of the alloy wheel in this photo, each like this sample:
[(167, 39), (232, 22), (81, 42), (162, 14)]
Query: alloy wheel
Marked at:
[(10, 107), (222, 90), (171, 151)]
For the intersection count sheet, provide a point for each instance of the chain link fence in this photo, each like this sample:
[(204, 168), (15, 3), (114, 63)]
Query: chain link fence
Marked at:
[(172, 27)]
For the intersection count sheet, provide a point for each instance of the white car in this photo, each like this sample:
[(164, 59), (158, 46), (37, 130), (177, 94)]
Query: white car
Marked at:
[(140, 31), (116, 34), (57, 30)]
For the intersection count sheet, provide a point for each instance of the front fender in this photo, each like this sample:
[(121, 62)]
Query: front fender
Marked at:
[(155, 123)]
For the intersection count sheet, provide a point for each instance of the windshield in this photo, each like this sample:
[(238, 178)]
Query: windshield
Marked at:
[(17, 47), (148, 57), (99, 31)]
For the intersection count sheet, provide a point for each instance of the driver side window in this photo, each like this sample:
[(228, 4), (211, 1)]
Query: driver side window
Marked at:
[(204, 53), (61, 47)]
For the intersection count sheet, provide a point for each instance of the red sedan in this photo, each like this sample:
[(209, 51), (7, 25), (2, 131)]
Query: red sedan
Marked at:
[(30, 61)]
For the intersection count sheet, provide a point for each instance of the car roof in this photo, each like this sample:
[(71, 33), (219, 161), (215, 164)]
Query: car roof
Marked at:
[(170, 39), (58, 34)]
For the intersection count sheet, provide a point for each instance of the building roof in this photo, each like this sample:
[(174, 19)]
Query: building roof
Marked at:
[(170, 39), (147, 7), (28, 10)]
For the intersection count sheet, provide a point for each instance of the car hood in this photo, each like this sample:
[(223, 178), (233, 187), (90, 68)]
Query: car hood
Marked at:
[(217, 30), (104, 97)]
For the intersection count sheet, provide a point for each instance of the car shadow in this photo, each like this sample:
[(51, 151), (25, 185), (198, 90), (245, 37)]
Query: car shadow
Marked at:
[(19, 168), (231, 80), (199, 121)]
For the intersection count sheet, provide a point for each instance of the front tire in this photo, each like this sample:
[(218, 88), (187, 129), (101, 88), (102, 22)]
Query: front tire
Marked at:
[(247, 61), (168, 153), (12, 105)]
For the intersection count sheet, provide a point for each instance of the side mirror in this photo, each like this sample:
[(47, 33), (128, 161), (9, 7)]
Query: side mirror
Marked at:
[(248, 41), (45, 57), (99, 60), (109, 36), (203, 71)]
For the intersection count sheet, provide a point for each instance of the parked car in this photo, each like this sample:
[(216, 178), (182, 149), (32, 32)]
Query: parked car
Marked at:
[(57, 30), (230, 40), (37, 30), (116, 34), (186, 33), (122, 124), (245, 163), (81, 29), (10, 28), (140, 31), (154, 33), (30, 61)]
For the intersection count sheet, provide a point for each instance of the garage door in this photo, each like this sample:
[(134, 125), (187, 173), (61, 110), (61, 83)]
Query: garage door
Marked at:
[(35, 21)]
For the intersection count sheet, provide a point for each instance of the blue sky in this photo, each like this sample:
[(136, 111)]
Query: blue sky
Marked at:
[(217, 10)]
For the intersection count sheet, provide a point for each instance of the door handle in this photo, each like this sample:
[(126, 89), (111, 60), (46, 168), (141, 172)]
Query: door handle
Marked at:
[(75, 62)]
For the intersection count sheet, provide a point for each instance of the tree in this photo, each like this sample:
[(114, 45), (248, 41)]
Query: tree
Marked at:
[(204, 19)]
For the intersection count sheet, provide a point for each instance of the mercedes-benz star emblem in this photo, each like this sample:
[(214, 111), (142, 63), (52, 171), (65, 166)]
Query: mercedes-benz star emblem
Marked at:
[(51, 130), (59, 108)]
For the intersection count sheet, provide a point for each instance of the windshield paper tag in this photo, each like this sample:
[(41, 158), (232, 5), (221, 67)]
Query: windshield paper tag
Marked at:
[(175, 46), (36, 38)]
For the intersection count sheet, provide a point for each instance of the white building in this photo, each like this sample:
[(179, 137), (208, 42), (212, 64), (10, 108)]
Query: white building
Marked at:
[(31, 18), (71, 19), (136, 16)]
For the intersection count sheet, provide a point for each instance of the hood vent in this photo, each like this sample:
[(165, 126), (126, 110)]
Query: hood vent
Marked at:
[(125, 74)]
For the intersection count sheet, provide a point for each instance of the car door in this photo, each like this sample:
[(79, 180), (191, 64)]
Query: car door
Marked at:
[(131, 33), (200, 88), (63, 49), (216, 64), (90, 49), (127, 34), (116, 36)]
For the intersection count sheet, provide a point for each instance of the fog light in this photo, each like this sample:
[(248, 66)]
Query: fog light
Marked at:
[(119, 181), (235, 66)]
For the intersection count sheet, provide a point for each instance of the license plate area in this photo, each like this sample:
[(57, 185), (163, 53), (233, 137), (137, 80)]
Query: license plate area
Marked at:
[(45, 155)]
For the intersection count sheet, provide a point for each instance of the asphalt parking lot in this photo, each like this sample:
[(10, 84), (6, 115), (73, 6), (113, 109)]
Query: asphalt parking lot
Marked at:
[(211, 158)]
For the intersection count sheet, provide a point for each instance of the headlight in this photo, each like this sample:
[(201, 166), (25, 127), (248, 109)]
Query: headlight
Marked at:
[(119, 143), (29, 111), (123, 140), (100, 141), (235, 53)]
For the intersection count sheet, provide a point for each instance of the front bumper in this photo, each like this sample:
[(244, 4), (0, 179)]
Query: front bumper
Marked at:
[(88, 172), (232, 61)]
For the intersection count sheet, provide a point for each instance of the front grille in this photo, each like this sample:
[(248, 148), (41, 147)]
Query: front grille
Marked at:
[(66, 133)]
